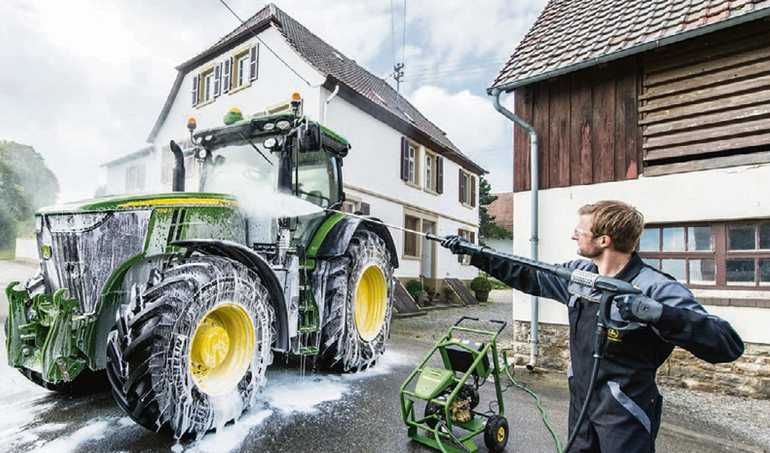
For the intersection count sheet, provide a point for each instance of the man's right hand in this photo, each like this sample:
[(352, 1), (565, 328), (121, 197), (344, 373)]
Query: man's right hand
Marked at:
[(457, 245)]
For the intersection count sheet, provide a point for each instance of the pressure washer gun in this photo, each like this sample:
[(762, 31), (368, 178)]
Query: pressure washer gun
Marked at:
[(607, 287)]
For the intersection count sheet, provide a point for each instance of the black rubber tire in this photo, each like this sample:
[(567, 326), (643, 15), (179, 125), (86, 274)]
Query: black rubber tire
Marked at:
[(491, 440), (86, 383), (342, 348), (147, 351)]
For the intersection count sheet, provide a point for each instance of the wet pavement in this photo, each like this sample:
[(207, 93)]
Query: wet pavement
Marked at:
[(314, 413)]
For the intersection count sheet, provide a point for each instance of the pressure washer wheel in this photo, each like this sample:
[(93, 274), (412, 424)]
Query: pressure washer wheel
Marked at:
[(189, 354), (359, 304), (433, 409), (496, 433)]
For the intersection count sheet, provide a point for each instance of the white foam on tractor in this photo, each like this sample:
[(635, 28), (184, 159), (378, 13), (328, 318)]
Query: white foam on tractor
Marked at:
[(229, 437)]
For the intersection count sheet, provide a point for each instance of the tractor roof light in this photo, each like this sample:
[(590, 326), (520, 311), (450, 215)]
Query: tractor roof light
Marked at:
[(191, 124), (233, 115), (283, 125), (296, 97)]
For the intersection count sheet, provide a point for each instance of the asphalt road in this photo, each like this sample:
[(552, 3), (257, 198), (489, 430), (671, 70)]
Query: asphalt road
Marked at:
[(311, 413)]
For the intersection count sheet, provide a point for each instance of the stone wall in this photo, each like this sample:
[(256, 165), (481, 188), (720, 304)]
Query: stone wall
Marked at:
[(748, 376)]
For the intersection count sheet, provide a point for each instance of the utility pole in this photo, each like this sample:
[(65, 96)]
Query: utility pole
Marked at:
[(398, 73)]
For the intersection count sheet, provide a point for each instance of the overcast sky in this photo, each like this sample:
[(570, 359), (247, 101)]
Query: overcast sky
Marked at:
[(84, 80)]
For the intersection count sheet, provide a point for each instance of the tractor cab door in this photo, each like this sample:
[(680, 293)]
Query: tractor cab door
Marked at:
[(317, 178)]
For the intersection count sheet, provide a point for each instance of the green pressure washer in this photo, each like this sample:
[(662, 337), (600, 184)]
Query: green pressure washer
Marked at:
[(451, 393)]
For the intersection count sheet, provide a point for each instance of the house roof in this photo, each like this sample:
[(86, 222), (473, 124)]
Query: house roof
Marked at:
[(378, 97), (575, 34), (502, 210)]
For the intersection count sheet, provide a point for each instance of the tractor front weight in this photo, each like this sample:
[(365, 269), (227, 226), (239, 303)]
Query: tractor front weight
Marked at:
[(42, 334)]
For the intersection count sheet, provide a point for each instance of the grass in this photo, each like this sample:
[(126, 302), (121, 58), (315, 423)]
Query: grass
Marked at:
[(497, 284)]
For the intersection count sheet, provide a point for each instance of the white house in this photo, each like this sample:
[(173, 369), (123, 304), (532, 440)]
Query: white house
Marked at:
[(401, 168)]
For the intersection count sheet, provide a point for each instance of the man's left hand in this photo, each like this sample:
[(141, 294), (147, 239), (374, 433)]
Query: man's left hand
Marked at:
[(635, 307)]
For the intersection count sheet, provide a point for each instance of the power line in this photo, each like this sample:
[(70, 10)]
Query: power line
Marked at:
[(265, 44)]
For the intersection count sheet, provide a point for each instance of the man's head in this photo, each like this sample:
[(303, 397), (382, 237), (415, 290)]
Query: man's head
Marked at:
[(607, 225)]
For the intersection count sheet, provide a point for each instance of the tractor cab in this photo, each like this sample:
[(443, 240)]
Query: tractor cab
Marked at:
[(262, 159)]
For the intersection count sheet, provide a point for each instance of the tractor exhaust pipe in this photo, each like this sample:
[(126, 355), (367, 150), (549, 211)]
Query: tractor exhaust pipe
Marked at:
[(177, 184)]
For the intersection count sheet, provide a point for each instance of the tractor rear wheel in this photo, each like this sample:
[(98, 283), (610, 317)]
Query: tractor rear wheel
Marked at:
[(191, 352), (359, 304)]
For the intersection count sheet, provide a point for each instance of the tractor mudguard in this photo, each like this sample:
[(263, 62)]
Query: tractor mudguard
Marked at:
[(246, 256), (337, 239)]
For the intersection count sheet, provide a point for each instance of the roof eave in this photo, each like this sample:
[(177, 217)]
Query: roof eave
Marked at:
[(727, 23)]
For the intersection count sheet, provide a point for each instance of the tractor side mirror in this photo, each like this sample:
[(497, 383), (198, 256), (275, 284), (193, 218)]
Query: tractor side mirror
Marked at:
[(311, 139)]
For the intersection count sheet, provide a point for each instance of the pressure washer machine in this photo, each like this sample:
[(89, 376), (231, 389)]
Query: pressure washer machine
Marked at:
[(451, 392)]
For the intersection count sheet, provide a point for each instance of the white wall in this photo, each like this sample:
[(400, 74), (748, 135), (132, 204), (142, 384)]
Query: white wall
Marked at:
[(722, 194)]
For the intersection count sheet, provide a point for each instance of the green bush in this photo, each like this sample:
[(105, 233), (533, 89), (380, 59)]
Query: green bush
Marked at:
[(414, 288), (481, 284)]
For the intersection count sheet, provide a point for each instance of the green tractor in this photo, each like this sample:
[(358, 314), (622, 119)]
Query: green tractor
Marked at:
[(182, 298)]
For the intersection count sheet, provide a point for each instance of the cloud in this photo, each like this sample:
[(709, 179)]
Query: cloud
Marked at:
[(473, 124)]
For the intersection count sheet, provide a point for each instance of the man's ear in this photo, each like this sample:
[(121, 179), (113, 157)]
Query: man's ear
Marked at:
[(605, 241)]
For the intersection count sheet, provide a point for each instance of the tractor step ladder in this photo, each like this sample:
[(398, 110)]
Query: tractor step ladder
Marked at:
[(309, 319)]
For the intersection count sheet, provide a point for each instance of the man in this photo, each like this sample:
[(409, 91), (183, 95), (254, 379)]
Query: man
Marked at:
[(624, 413)]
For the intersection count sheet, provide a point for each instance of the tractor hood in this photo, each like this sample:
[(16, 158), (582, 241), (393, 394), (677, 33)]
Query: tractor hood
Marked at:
[(147, 201)]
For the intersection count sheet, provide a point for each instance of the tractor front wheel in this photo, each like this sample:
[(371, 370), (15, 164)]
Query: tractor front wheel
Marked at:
[(359, 304), (190, 353)]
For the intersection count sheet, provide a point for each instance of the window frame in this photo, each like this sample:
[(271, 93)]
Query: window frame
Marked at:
[(418, 242), (720, 253), (470, 236), (469, 194), (432, 179)]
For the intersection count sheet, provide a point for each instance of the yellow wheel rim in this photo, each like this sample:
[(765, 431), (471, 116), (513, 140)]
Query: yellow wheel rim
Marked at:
[(500, 434), (371, 300), (221, 349)]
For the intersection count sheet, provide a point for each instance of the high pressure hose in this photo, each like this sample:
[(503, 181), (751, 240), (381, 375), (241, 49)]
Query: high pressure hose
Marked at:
[(584, 409)]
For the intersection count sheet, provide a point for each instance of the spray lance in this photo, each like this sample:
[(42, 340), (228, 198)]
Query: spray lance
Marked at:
[(608, 289)]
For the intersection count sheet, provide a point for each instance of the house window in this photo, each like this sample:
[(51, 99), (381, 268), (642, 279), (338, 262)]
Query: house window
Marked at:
[(721, 255), (208, 85), (242, 70), (434, 172), (410, 168), (356, 207), (467, 188), (469, 236), (135, 176), (411, 240)]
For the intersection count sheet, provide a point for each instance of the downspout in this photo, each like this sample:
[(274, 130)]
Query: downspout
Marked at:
[(328, 100), (533, 240)]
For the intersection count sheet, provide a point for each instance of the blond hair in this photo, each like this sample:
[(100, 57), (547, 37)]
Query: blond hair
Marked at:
[(620, 221)]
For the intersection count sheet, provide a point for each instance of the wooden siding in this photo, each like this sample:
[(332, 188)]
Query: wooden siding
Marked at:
[(587, 125), (706, 103)]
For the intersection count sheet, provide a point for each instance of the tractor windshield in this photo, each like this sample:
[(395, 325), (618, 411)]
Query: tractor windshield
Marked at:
[(239, 169)]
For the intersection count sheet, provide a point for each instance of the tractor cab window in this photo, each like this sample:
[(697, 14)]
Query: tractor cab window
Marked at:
[(240, 170), (317, 178)]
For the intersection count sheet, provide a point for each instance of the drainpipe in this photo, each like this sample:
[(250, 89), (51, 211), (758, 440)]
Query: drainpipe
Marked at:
[(533, 240), (328, 100)]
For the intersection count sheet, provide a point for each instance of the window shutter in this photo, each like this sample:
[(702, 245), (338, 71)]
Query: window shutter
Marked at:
[(439, 174), (217, 79), (226, 75), (254, 62), (365, 208), (462, 186), (473, 190), (195, 90), (404, 159)]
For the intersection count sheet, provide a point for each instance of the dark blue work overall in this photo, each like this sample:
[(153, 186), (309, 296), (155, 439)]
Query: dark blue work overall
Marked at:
[(624, 414)]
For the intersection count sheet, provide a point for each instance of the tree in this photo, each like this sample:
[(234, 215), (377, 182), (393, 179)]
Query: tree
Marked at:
[(26, 184), (488, 229)]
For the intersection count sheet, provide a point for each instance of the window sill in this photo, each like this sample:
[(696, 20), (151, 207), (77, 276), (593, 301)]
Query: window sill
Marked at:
[(411, 258), (466, 205), (431, 191), (240, 88), (204, 104), (413, 185)]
